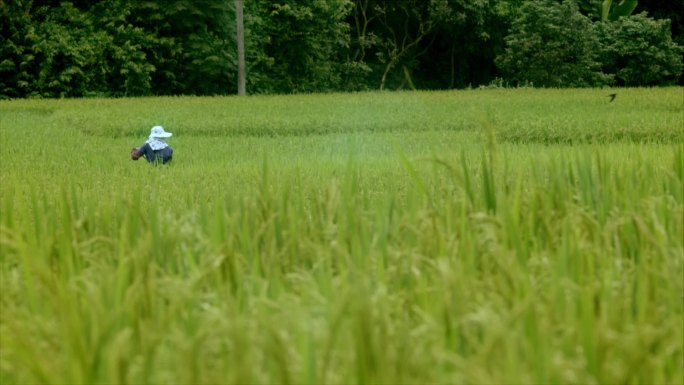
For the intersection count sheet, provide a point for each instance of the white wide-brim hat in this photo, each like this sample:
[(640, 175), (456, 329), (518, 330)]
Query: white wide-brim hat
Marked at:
[(158, 132)]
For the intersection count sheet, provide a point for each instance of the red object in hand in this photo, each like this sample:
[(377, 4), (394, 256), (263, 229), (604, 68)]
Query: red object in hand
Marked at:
[(135, 155)]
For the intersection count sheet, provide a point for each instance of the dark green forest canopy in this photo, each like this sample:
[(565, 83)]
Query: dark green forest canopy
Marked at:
[(52, 48)]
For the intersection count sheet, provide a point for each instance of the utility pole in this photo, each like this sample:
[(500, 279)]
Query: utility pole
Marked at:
[(242, 88)]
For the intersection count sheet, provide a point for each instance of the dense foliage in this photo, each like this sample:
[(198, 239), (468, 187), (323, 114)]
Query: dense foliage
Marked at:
[(300, 45), (639, 51), (52, 48), (552, 45)]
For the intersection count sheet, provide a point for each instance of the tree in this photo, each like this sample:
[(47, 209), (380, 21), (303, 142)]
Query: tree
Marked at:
[(299, 45), (613, 10), (640, 52), (194, 51), (73, 49), (621, 32), (16, 59), (427, 44), (239, 6), (671, 10), (356, 70), (552, 45), (116, 47), (603, 10), (465, 46), (406, 24)]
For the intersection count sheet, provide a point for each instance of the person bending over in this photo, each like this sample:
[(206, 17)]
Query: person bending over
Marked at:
[(155, 149)]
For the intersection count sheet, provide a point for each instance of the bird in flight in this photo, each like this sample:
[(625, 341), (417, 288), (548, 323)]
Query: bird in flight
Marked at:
[(612, 97)]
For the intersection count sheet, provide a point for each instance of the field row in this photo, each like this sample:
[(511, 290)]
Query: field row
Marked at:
[(416, 238)]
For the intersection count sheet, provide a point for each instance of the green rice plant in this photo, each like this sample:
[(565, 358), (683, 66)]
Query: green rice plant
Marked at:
[(364, 238)]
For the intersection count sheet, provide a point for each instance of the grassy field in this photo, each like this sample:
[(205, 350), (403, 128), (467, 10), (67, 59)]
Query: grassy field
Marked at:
[(482, 236)]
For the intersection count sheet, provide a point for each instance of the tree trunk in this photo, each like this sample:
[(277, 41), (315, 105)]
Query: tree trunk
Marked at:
[(407, 77), (242, 77), (388, 68), (453, 69)]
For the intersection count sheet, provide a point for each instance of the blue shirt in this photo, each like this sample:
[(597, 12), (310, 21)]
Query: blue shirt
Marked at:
[(164, 155)]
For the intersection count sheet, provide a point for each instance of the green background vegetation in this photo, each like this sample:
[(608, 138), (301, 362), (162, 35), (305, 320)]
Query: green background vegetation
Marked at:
[(483, 236), (54, 48)]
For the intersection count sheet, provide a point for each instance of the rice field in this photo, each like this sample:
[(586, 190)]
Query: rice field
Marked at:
[(478, 236)]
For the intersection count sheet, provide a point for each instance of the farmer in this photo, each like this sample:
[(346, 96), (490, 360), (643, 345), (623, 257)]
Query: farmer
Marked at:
[(155, 149)]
